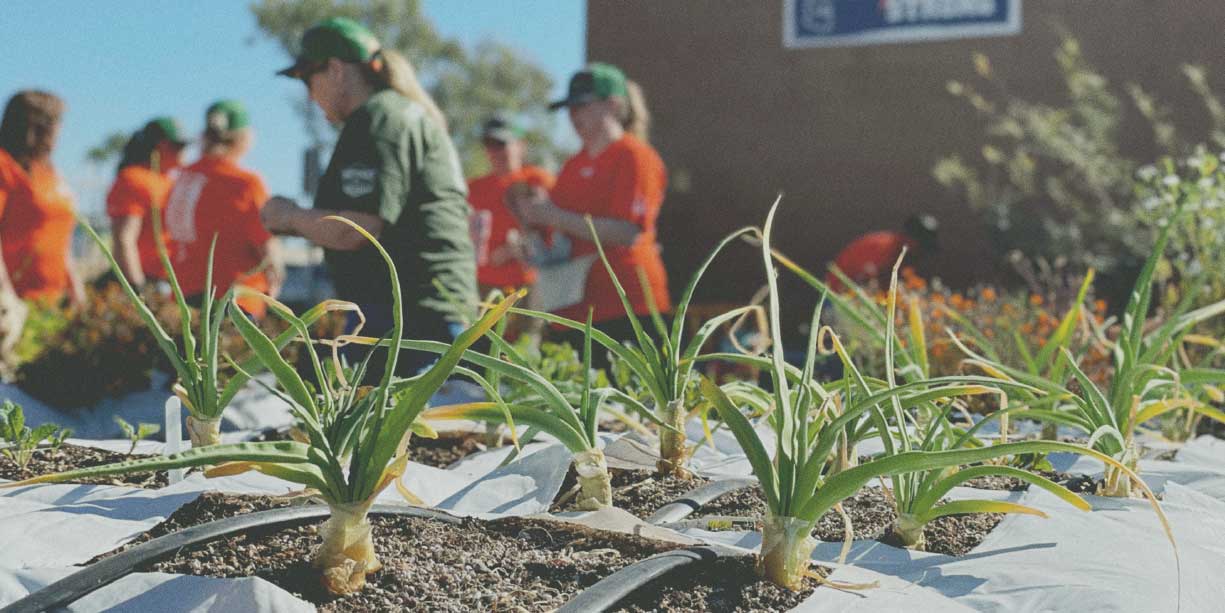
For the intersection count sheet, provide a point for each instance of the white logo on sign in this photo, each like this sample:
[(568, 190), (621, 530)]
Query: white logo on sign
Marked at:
[(818, 16), (357, 181), (181, 207)]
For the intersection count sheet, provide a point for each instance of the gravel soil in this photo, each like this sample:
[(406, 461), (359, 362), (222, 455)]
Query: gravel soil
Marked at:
[(726, 585), (871, 515), (441, 452), (638, 492), (509, 564), (70, 457)]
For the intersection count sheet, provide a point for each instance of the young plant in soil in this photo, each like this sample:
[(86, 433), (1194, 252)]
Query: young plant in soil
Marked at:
[(663, 364), (1147, 381), (548, 411), (20, 441), (135, 434), (357, 436), (800, 482), (197, 356), (920, 423)]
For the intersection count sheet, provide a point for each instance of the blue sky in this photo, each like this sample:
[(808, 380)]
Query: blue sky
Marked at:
[(119, 62)]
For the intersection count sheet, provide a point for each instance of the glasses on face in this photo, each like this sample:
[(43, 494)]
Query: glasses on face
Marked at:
[(493, 144)]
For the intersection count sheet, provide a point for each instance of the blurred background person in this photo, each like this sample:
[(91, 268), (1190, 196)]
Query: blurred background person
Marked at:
[(504, 245), (871, 257), (619, 180), (216, 197), (142, 183), (37, 217), (395, 173)]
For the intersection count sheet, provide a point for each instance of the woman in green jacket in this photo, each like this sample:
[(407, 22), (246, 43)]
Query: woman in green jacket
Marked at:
[(394, 172)]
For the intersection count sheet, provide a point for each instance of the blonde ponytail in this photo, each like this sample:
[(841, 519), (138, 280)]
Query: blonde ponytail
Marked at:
[(637, 120), (396, 72)]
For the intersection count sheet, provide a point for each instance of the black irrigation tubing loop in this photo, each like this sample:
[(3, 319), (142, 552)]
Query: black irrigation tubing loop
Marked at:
[(610, 590), (694, 500), (108, 570)]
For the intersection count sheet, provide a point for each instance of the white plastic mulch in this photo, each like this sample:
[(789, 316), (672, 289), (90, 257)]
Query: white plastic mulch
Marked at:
[(1115, 558)]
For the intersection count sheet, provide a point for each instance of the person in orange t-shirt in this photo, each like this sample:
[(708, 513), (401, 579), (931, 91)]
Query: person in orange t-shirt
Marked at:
[(36, 211), (216, 197), (141, 185), (619, 180), (872, 256), (502, 243)]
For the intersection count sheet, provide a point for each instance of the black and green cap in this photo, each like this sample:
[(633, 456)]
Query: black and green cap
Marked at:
[(164, 129), (224, 116), (338, 37), (598, 81), (500, 128)]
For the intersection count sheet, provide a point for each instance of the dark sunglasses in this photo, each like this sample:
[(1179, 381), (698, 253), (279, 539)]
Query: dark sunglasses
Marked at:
[(493, 144)]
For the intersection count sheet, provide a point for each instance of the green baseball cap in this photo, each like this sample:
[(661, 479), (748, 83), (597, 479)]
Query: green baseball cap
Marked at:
[(338, 37), (598, 81), (225, 116), (500, 128), (164, 128)]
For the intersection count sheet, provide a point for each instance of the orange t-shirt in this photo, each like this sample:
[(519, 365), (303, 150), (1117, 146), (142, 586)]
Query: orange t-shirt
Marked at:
[(869, 257), (216, 197), (492, 220), (137, 192), (36, 224), (625, 181)]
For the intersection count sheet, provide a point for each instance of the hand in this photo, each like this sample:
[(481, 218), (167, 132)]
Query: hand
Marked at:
[(537, 209), (277, 215)]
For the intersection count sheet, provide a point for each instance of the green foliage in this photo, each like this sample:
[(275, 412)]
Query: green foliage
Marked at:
[(20, 440), (137, 433), (468, 84), (1053, 179), (109, 149)]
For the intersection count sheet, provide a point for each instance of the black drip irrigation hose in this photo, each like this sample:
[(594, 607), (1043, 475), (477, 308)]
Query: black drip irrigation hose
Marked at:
[(610, 590), (694, 500), (107, 571)]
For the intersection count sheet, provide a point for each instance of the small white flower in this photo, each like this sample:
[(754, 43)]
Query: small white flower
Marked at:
[(1171, 181), (1149, 172)]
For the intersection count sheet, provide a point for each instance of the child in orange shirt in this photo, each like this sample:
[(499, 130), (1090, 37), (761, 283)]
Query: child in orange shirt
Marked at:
[(139, 190), (216, 197), (501, 240)]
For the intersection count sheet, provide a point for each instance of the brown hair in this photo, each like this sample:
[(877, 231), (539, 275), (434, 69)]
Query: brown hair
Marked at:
[(25, 109), (636, 118), (390, 69)]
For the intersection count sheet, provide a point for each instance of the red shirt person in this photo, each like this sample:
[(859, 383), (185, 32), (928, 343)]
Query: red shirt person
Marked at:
[(872, 255), (502, 242), (141, 187), (619, 180), (217, 197), (37, 217)]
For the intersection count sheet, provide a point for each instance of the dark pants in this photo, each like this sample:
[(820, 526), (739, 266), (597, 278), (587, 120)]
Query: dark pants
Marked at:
[(621, 330), (417, 326)]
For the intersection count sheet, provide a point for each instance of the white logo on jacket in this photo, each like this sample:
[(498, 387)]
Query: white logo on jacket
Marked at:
[(357, 181)]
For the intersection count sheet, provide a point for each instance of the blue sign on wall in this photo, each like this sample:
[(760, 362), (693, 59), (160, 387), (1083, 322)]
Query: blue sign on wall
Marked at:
[(844, 23)]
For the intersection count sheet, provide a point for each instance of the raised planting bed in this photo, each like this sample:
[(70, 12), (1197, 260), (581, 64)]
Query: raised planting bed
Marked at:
[(638, 492), (68, 457), (727, 584), (871, 513), (429, 564)]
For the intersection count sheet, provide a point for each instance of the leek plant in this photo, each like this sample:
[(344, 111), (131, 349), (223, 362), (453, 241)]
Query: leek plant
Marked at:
[(548, 410), (663, 364), (357, 435), (801, 482), (196, 356), (1147, 382)]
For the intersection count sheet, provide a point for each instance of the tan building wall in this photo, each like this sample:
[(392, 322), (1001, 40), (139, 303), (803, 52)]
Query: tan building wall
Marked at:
[(849, 135)]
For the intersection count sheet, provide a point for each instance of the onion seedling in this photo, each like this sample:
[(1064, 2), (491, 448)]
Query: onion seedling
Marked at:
[(664, 365), (800, 482), (1146, 382), (357, 435), (196, 357)]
